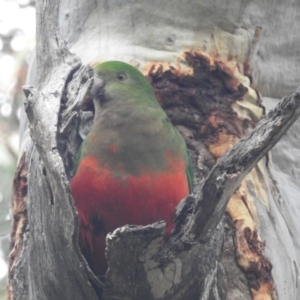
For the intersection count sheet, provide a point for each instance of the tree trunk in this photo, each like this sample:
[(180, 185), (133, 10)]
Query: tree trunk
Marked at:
[(236, 236)]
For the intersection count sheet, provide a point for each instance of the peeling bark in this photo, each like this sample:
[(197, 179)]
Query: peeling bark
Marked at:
[(228, 173), (19, 234)]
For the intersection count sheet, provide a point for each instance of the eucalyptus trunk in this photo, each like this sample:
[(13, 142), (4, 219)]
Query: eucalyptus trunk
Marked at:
[(217, 68)]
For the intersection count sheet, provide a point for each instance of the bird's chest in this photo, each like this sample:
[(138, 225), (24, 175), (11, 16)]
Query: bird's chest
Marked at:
[(130, 151), (119, 199)]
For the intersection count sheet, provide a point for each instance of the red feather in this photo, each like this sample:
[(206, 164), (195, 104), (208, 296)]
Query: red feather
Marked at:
[(105, 202)]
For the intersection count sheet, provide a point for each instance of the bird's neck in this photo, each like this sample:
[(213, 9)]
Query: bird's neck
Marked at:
[(129, 139)]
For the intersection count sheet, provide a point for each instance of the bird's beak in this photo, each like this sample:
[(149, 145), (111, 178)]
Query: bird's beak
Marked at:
[(97, 88)]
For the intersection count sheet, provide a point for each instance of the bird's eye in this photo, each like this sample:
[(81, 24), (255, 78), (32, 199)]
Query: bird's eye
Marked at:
[(121, 76)]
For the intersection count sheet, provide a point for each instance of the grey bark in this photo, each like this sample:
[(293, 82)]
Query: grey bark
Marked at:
[(141, 266), (50, 265)]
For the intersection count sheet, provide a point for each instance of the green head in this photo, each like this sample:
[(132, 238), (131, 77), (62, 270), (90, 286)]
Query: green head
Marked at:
[(117, 83)]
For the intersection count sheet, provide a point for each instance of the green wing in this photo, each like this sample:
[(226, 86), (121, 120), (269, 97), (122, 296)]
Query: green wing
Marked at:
[(189, 169), (190, 172), (77, 159)]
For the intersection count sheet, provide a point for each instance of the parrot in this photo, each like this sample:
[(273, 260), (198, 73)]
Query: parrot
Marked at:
[(132, 168)]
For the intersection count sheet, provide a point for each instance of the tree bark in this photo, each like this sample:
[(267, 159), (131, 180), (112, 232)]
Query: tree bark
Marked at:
[(206, 98)]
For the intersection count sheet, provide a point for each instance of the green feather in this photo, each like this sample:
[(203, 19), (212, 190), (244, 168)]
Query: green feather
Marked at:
[(128, 112), (190, 173), (189, 169)]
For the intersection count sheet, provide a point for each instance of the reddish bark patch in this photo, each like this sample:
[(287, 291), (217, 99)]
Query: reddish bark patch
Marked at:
[(205, 97), (19, 217), (259, 271), (202, 101)]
